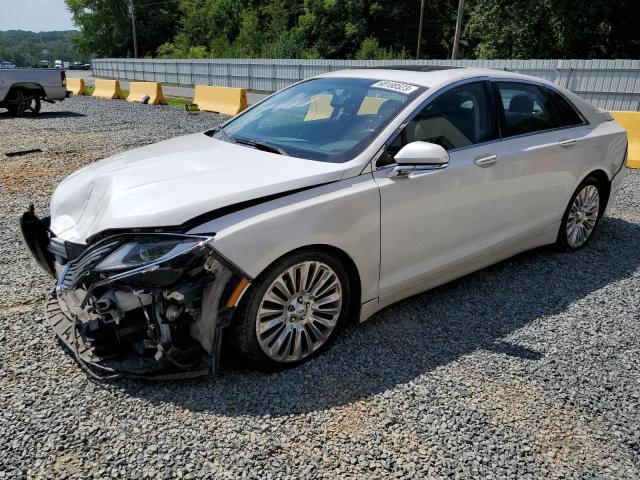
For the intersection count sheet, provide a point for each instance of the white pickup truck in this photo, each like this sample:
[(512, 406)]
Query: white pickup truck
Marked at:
[(23, 89)]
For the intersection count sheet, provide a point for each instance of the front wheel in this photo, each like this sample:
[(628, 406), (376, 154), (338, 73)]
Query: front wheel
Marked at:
[(292, 311), (582, 216)]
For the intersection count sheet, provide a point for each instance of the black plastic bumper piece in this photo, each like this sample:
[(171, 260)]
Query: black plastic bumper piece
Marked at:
[(35, 233), (111, 367)]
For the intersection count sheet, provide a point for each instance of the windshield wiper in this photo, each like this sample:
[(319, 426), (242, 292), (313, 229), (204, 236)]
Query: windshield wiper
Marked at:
[(220, 130), (267, 147)]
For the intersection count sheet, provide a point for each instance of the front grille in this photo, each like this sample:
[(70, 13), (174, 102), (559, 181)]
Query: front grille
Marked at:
[(76, 270)]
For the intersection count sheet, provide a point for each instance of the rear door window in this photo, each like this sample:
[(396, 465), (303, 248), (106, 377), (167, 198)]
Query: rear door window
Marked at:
[(526, 109)]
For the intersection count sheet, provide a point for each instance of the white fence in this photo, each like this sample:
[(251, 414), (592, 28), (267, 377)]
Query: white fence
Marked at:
[(610, 84)]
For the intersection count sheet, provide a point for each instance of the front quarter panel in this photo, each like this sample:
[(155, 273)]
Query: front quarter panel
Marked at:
[(343, 214)]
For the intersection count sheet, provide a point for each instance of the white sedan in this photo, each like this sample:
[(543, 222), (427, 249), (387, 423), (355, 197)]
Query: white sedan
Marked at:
[(324, 203)]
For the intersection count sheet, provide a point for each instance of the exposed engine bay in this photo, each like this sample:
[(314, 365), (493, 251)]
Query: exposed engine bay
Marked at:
[(149, 305)]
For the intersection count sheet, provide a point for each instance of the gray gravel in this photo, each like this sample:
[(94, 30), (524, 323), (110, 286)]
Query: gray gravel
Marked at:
[(528, 369)]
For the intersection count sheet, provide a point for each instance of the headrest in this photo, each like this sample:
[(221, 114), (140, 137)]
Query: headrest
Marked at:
[(521, 103), (389, 106)]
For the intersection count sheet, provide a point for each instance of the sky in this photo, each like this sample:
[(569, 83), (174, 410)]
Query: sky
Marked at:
[(35, 15)]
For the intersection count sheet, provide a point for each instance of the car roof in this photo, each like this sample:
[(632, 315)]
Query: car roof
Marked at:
[(438, 76), (427, 75)]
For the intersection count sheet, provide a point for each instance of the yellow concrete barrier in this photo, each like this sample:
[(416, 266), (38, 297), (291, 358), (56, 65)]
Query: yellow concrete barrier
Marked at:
[(630, 121), (107, 89), (225, 100), (76, 86), (139, 90)]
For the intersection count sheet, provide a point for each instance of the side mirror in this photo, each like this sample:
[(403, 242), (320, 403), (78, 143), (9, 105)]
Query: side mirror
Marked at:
[(422, 153), (419, 156)]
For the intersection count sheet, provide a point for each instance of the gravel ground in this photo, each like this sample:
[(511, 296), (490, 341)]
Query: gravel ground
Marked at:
[(528, 369)]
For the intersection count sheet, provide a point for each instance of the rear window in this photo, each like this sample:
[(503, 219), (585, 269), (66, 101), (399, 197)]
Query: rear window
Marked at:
[(568, 115)]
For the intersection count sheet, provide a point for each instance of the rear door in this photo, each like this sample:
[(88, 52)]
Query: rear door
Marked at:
[(543, 138), (433, 220)]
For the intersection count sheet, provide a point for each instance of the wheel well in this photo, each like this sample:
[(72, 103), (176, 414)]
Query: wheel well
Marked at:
[(605, 184), (27, 86)]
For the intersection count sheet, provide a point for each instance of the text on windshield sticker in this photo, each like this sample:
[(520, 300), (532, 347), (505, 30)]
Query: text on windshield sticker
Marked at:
[(395, 86)]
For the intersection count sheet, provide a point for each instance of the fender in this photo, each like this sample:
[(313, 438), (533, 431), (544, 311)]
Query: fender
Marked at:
[(348, 210)]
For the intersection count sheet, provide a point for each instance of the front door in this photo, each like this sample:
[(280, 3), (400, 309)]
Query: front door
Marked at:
[(434, 220)]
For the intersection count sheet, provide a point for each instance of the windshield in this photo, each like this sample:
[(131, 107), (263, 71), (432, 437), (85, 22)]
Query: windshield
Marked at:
[(326, 119)]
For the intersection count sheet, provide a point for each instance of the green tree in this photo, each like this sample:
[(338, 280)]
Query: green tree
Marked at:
[(553, 28), (25, 48), (360, 28), (106, 27)]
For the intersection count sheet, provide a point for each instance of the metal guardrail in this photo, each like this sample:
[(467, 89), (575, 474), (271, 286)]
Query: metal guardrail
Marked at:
[(610, 84)]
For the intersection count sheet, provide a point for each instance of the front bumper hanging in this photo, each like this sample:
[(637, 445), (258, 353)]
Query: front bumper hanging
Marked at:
[(108, 367), (162, 320), (35, 234)]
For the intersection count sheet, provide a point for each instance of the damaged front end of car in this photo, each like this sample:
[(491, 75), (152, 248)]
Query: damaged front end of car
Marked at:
[(140, 304)]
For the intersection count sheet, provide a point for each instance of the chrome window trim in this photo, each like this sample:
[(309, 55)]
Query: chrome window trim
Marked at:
[(500, 138), (538, 132)]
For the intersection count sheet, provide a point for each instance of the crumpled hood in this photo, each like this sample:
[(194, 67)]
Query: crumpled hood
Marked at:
[(171, 182)]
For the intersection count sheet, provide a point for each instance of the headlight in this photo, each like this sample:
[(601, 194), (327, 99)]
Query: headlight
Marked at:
[(138, 254)]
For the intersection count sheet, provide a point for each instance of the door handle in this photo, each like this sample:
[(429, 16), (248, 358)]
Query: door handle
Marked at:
[(568, 143), (486, 161)]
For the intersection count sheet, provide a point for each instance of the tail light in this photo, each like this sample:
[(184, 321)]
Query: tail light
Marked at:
[(63, 77)]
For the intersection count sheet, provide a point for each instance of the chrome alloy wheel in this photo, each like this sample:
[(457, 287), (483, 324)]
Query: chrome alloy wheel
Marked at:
[(583, 216), (299, 311)]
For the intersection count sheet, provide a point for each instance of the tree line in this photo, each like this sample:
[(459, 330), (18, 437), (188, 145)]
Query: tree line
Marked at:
[(25, 48), (361, 29)]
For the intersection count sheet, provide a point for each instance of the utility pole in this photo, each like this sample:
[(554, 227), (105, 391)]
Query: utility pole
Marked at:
[(420, 30), (456, 39), (133, 26)]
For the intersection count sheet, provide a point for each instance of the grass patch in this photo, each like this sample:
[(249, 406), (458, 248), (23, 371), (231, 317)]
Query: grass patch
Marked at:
[(177, 101)]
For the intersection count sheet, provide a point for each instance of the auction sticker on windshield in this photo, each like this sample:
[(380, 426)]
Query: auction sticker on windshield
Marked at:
[(395, 86)]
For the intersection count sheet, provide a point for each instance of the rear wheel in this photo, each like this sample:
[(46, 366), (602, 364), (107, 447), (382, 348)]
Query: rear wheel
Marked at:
[(292, 311), (582, 215), (23, 102)]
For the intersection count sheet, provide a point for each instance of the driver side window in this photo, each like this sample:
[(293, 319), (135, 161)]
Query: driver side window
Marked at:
[(457, 118)]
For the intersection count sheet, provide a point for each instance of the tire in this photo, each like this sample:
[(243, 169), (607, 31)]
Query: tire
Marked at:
[(22, 102), (582, 216), (300, 328)]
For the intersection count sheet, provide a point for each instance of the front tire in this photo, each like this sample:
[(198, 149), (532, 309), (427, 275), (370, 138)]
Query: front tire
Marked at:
[(581, 216), (292, 311)]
